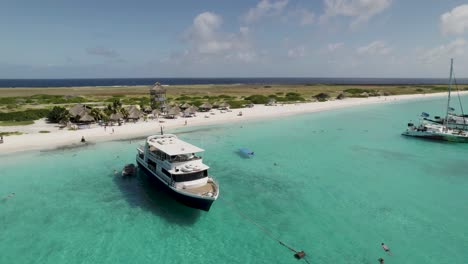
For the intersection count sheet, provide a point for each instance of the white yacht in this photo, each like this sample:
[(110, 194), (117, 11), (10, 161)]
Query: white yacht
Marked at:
[(446, 130), (175, 164), (436, 132)]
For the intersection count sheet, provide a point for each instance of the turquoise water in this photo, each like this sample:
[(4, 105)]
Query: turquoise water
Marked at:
[(344, 181)]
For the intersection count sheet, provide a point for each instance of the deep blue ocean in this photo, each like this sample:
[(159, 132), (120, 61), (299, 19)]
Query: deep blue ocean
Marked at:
[(4, 83)]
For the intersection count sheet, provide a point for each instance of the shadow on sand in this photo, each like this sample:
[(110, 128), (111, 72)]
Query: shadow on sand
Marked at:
[(150, 195)]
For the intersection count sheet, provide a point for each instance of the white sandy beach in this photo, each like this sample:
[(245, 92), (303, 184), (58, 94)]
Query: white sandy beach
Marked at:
[(33, 140)]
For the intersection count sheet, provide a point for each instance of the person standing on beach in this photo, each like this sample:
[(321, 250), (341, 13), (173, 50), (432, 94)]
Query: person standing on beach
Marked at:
[(112, 131), (385, 247)]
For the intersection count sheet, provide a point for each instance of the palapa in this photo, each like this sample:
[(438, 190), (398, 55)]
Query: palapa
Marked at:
[(86, 117), (185, 106), (135, 114), (224, 105), (77, 110), (116, 117), (206, 106)]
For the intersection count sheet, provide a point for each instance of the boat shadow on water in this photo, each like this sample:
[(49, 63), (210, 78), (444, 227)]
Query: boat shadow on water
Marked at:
[(143, 192)]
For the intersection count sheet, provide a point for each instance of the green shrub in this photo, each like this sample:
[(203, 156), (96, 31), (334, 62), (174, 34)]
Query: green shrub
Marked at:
[(419, 90), (27, 115), (257, 99), (7, 100), (322, 97), (44, 131), (294, 97), (236, 104), (57, 114), (223, 96), (442, 89), (10, 133)]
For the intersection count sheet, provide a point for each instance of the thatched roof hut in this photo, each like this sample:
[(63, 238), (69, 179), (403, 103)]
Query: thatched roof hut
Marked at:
[(77, 110), (156, 112), (224, 105), (193, 109), (116, 117), (86, 118), (132, 108), (135, 114), (185, 106), (206, 107), (173, 112)]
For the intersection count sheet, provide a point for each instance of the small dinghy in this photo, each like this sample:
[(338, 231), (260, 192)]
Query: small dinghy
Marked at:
[(247, 152), (129, 170)]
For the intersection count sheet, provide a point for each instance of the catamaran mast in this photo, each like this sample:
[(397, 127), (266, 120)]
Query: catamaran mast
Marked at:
[(449, 90)]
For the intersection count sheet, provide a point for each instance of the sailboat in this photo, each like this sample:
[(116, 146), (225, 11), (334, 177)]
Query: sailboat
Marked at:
[(439, 131)]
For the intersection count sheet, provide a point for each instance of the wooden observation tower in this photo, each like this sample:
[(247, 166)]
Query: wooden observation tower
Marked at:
[(158, 96)]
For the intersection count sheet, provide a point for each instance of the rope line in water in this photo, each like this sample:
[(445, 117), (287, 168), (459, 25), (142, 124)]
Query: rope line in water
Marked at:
[(267, 232)]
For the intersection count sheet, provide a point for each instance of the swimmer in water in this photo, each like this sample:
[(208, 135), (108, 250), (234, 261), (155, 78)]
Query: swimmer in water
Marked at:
[(8, 196), (381, 260), (385, 247)]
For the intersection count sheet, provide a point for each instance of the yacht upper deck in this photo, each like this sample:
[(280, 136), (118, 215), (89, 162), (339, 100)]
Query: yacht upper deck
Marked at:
[(171, 145)]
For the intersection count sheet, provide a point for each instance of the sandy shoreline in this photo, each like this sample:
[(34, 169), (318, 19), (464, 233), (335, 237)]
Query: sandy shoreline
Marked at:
[(34, 140)]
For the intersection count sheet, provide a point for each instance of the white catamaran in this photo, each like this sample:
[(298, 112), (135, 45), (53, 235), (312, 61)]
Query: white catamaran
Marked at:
[(174, 163), (445, 131)]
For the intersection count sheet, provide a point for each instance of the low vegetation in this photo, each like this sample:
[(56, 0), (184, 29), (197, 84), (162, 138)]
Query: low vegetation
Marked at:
[(27, 115), (14, 133), (21, 106), (16, 123)]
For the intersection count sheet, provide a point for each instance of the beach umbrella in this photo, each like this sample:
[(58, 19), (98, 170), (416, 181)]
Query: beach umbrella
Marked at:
[(86, 117)]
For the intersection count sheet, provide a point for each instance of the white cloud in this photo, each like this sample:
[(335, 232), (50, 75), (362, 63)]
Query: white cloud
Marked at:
[(375, 48), (455, 48), (103, 52), (206, 41), (456, 21), (297, 52), (265, 8), (306, 17), (360, 10), (334, 46)]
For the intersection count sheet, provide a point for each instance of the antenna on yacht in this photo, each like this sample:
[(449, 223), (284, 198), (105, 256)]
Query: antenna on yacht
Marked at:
[(449, 90)]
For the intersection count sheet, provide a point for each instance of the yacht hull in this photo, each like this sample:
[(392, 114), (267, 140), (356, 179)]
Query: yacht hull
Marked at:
[(433, 136), (190, 201)]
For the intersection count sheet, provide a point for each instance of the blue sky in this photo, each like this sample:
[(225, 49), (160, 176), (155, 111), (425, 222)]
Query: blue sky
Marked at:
[(208, 38)]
